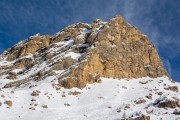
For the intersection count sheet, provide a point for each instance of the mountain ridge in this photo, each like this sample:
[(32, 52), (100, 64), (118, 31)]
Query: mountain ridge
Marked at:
[(103, 70), (104, 49)]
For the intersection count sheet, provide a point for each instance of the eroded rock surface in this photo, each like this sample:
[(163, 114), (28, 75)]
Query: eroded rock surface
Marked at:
[(120, 51), (82, 53)]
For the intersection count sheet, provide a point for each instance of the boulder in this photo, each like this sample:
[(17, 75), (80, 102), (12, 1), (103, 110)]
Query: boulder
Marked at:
[(9, 103), (172, 88)]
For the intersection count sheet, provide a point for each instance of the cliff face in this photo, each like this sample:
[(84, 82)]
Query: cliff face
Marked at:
[(83, 53), (121, 51)]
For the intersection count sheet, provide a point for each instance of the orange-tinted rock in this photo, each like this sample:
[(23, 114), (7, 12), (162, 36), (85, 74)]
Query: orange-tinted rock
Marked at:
[(114, 49), (121, 51)]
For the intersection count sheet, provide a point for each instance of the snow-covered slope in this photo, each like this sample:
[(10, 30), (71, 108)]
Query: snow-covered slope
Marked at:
[(112, 99), (68, 76)]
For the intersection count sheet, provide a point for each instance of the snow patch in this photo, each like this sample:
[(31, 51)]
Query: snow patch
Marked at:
[(73, 55)]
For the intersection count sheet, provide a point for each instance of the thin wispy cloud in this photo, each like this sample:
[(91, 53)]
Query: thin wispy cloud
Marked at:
[(160, 33), (167, 64)]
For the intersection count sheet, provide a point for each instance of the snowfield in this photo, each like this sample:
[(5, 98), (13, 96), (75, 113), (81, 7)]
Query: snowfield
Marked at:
[(112, 99), (30, 83)]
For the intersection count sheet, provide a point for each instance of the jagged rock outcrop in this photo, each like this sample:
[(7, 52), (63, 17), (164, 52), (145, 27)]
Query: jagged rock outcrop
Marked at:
[(30, 46), (164, 102), (83, 53), (121, 51)]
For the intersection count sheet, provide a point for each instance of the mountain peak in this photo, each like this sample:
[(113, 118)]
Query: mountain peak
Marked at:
[(109, 68), (113, 49)]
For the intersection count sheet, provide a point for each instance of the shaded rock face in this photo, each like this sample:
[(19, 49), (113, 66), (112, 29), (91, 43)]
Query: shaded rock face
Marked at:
[(176, 112), (114, 49), (164, 102), (172, 88), (169, 104)]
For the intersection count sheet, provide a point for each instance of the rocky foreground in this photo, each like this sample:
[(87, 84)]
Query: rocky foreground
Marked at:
[(103, 70)]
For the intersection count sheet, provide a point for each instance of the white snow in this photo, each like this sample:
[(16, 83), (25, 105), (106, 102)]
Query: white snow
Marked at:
[(83, 45), (73, 55), (17, 70), (113, 46), (69, 43), (99, 101), (28, 56), (147, 66), (36, 35), (4, 82), (5, 63)]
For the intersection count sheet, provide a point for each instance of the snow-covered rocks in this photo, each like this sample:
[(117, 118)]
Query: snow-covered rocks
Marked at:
[(84, 58), (112, 49), (105, 100), (167, 101)]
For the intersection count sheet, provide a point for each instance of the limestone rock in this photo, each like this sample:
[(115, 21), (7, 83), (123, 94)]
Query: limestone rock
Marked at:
[(70, 32), (172, 88), (29, 46), (121, 51), (140, 101), (168, 104), (9, 103), (64, 64), (176, 112), (112, 49), (164, 102)]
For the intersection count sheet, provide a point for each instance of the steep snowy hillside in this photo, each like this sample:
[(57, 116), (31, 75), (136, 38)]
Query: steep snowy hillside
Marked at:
[(112, 99), (104, 70)]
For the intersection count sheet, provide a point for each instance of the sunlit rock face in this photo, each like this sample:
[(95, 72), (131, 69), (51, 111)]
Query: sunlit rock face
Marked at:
[(82, 53), (119, 51)]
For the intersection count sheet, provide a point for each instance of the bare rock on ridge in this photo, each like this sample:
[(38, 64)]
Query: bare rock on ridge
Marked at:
[(120, 51), (112, 49)]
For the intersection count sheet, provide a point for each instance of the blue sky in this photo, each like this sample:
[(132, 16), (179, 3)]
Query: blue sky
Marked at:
[(159, 19)]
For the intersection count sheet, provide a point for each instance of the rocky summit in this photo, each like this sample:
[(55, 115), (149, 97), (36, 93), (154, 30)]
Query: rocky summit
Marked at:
[(100, 61), (82, 53)]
